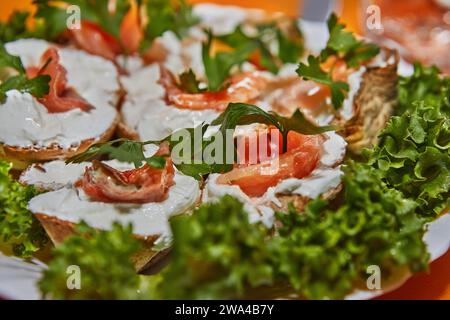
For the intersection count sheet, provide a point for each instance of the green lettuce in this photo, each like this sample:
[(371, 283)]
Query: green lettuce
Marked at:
[(105, 265), (324, 252), (15, 27), (414, 156), (19, 229), (320, 254), (217, 253), (425, 84)]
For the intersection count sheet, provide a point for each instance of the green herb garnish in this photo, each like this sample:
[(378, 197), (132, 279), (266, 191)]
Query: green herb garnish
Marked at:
[(219, 66), (19, 229), (345, 46), (54, 16), (166, 15), (15, 27), (236, 114), (313, 71), (37, 86), (122, 150), (289, 46)]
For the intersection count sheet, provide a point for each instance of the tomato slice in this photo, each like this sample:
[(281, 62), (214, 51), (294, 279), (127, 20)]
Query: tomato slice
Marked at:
[(91, 38), (131, 33), (301, 158), (60, 98)]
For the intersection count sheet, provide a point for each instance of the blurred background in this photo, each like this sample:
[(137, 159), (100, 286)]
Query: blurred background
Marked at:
[(419, 29)]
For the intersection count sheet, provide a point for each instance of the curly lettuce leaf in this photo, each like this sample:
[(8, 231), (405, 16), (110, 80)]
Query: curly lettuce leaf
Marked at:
[(324, 252), (19, 229), (425, 84), (217, 253), (321, 253), (104, 261), (414, 156)]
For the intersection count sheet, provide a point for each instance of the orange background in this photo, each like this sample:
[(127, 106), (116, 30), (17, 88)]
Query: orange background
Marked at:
[(432, 285)]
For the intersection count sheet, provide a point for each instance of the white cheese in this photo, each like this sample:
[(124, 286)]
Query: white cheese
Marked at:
[(220, 19), (24, 122), (143, 83), (53, 175), (355, 82), (130, 63), (173, 45), (153, 119)]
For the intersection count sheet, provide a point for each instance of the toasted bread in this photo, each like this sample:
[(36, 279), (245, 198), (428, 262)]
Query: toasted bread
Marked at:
[(373, 105), (22, 157), (58, 230)]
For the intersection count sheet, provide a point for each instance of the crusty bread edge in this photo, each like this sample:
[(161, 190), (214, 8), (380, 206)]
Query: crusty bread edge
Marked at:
[(33, 154), (373, 105), (58, 230)]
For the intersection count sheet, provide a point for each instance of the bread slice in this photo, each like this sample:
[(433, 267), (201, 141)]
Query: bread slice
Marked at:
[(23, 157), (373, 105), (58, 210), (58, 230), (125, 131)]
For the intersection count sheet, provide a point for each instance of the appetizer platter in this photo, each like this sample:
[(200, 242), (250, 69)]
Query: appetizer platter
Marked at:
[(171, 151)]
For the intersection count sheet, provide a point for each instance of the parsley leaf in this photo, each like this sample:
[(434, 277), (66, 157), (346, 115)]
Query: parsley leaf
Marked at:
[(122, 150), (54, 15), (218, 67), (189, 82), (344, 44), (289, 44), (15, 27), (290, 47), (165, 15), (313, 71), (194, 164), (38, 86), (10, 61)]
